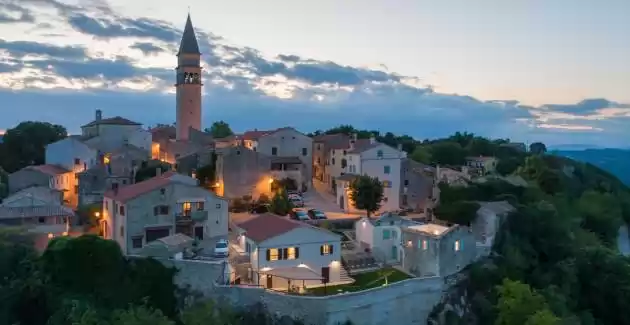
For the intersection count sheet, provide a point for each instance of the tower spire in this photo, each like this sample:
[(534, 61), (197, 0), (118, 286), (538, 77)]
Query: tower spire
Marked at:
[(189, 43)]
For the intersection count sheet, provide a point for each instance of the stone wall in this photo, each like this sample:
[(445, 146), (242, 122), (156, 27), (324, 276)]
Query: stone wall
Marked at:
[(407, 302)]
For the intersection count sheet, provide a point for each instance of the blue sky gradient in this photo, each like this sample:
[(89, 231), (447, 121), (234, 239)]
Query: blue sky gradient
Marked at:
[(556, 71)]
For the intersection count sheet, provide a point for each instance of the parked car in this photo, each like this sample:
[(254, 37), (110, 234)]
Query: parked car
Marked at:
[(290, 192), (296, 201), (221, 248), (299, 214), (316, 214), (260, 208)]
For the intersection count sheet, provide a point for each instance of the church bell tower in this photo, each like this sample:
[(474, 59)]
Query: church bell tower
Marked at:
[(188, 86)]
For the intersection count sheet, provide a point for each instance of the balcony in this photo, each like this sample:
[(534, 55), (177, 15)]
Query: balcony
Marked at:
[(191, 216)]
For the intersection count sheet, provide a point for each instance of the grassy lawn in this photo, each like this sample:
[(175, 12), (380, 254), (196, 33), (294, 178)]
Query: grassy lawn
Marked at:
[(363, 281)]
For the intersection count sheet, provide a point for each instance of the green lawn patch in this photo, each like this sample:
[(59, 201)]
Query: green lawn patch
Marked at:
[(363, 281)]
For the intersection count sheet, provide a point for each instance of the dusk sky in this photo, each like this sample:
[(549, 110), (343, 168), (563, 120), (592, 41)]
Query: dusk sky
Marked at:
[(529, 70)]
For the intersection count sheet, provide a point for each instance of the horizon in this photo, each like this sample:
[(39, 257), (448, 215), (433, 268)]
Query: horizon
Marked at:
[(59, 62)]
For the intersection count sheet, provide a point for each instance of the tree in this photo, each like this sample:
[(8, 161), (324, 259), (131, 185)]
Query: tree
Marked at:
[(448, 153), (206, 175), (280, 203), (25, 144), (220, 129), (519, 304), (507, 166), (460, 212), (421, 154), (140, 315), (537, 148), (366, 193)]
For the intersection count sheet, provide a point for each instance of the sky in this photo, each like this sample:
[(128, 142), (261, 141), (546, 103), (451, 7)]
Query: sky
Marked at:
[(529, 70)]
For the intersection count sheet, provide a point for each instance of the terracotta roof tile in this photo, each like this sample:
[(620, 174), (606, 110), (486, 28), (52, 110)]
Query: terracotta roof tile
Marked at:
[(255, 135), (268, 225), (34, 211), (51, 170), (129, 192)]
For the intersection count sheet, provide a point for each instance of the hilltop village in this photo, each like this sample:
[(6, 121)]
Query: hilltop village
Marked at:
[(328, 228)]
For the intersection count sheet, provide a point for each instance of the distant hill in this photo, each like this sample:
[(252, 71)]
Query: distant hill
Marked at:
[(615, 161)]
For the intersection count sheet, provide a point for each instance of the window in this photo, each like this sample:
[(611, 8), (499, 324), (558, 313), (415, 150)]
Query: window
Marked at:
[(41, 220), (201, 206), (218, 206), (274, 151), (77, 161), (379, 154), (186, 208), (318, 161), (122, 210), (136, 242), (160, 209), (76, 189), (290, 253), (238, 152), (332, 162), (394, 234), (326, 250), (304, 152), (272, 254), (344, 152), (319, 147), (386, 234), (122, 231), (458, 246), (162, 191), (124, 182), (114, 186), (425, 244), (386, 169), (406, 182)]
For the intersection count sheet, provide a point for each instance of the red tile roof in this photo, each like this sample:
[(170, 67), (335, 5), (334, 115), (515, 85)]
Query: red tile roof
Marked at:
[(132, 191), (255, 135), (51, 170), (267, 226)]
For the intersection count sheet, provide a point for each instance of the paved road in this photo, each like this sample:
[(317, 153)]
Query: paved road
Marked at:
[(319, 198)]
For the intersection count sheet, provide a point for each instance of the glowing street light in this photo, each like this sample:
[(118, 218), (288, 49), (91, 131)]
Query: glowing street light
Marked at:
[(270, 180), (97, 214)]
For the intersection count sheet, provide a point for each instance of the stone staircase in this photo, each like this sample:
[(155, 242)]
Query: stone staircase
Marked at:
[(344, 276)]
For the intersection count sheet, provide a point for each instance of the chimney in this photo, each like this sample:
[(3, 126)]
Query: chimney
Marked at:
[(158, 171), (99, 115), (372, 139)]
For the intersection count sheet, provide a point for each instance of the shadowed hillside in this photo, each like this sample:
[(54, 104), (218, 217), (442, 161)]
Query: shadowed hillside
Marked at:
[(615, 161)]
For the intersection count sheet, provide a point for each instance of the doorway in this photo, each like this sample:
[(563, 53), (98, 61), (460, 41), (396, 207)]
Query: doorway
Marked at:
[(395, 253), (341, 202), (269, 281), (325, 274)]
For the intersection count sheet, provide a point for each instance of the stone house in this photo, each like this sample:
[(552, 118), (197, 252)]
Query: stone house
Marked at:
[(486, 225), (283, 252), (283, 142), (108, 134), (292, 168), (169, 203), (436, 250), (323, 146), (417, 181), (480, 166), (241, 171), (383, 236), (51, 176), (376, 160)]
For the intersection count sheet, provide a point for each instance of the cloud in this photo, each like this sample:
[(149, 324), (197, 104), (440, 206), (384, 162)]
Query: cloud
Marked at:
[(147, 48), (586, 107), (94, 57)]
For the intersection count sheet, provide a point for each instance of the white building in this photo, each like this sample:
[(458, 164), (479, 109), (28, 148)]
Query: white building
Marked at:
[(286, 253), (72, 154), (375, 160), (109, 134), (383, 236)]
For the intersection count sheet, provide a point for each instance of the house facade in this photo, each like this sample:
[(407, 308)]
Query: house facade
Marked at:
[(375, 160), (283, 142), (324, 147), (436, 250), (109, 134), (416, 185), (52, 176), (383, 236), (241, 171), (480, 166), (283, 252), (167, 204)]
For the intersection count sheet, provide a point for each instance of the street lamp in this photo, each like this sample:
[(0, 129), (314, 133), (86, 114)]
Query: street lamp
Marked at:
[(270, 180), (97, 214)]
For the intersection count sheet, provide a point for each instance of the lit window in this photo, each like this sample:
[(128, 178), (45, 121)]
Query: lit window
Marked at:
[(386, 234), (290, 253), (273, 254), (424, 244), (326, 249), (457, 246), (200, 206), (186, 207)]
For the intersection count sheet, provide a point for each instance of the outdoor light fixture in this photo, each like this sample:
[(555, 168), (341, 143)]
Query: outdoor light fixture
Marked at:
[(265, 269), (302, 265), (50, 235), (217, 184), (97, 214), (270, 180)]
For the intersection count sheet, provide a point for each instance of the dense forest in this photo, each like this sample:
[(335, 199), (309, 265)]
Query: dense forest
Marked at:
[(555, 259)]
